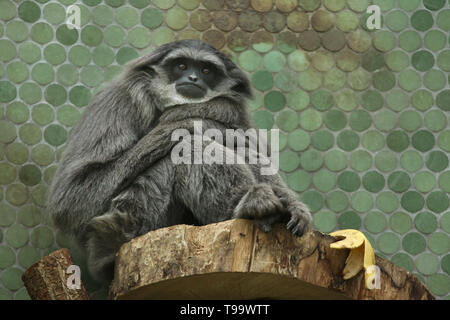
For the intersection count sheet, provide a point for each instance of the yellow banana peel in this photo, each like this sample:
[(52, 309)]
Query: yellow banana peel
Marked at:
[(361, 254)]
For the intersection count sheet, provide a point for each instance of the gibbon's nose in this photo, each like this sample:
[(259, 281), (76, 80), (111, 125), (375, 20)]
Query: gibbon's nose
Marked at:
[(193, 78)]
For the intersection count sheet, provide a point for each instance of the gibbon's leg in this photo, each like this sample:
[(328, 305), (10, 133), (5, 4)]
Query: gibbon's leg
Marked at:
[(141, 207)]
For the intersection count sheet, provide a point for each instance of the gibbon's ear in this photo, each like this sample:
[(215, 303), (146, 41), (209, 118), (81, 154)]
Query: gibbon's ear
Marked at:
[(146, 62)]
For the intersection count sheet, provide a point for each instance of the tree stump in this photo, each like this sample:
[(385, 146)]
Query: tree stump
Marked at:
[(235, 260), (47, 279)]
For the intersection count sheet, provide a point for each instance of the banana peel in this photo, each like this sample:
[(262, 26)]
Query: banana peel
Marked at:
[(361, 254)]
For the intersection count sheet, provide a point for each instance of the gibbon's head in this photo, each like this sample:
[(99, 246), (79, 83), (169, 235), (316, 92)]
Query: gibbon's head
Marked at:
[(191, 71)]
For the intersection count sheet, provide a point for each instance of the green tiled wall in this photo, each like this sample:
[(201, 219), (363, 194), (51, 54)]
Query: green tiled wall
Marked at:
[(363, 114)]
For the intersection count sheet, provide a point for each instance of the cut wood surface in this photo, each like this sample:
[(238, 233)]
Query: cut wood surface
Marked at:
[(47, 279), (235, 260)]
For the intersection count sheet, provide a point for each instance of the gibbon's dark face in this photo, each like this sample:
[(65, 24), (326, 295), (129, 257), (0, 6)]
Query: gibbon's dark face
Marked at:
[(192, 78)]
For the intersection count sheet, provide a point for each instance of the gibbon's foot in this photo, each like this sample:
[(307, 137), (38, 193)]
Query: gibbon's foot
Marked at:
[(301, 219), (261, 204)]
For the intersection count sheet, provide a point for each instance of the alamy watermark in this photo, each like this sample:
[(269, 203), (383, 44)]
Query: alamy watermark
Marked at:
[(237, 147)]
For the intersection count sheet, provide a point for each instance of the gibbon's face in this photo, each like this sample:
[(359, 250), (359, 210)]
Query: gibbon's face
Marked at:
[(192, 78)]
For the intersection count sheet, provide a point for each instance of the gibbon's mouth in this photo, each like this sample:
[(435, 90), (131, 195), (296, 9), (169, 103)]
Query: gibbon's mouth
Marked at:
[(190, 90)]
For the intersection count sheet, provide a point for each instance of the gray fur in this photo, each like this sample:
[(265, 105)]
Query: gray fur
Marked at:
[(116, 179)]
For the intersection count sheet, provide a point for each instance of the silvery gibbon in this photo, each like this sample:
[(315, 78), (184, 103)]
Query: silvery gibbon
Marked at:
[(116, 179)]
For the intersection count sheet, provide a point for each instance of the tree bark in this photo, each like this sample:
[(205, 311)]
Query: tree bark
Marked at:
[(235, 260), (47, 278)]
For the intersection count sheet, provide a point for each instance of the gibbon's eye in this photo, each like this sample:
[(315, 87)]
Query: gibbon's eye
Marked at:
[(205, 71), (182, 66)]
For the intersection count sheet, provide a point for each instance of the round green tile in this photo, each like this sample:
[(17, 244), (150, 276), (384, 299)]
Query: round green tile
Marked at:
[(17, 31), (298, 140), (54, 13), (435, 40), (422, 20), (5, 294), (274, 61), (310, 80), (17, 153), (444, 181), (263, 119), (114, 36), (375, 222), (360, 160), (360, 120), (361, 201), (55, 94), (17, 112), (274, 21), (334, 79), (397, 141), (127, 17), (348, 181), (399, 181), (298, 61), (286, 42), (346, 21), (8, 257), (262, 80), (384, 80), (30, 133), (411, 161), (346, 100), (349, 220), (372, 60), (324, 221), (68, 115), (373, 181), (8, 10), (17, 71), (248, 20), (190, 4), (359, 41), (388, 243), (347, 60), (42, 114), (437, 201), (373, 140), (79, 55), (410, 40), (66, 36), (139, 37), (410, 120), (115, 3), (176, 18), (424, 181), (7, 91), (439, 243), (311, 120), (425, 222), (42, 237), (16, 236), (396, 20), (30, 175), (412, 201), (445, 264), (322, 20), (385, 120), (311, 160), (322, 140), (358, 5), (286, 80), (262, 41), (400, 222), (386, 161), (126, 54), (427, 263), (289, 161), (39, 195), (435, 120), (324, 180), (436, 161), (443, 60), (8, 50), (404, 261), (249, 60), (7, 132), (313, 200), (422, 60), (12, 278), (80, 96), (153, 18), (55, 54), (422, 100), (397, 100), (434, 80), (322, 100), (287, 120), (335, 160), (28, 256), (308, 5), (91, 2), (41, 32), (28, 52), (102, 15), (112, 72), (42, 155), (67, 74), (336, 201), (371, 100), (91, 36), (439, 284), (347, 140), (408, 5), (387, 202), (29, 11), (55, 135), (43, 73), (359, 79), (384, 41), (8, 215), (49, 173), (299, 180), (92, 76), (397, 60), (335, 120)]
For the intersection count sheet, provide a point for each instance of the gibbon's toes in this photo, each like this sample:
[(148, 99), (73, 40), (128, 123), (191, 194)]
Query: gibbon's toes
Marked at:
[(258, 203), (300, 222)]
